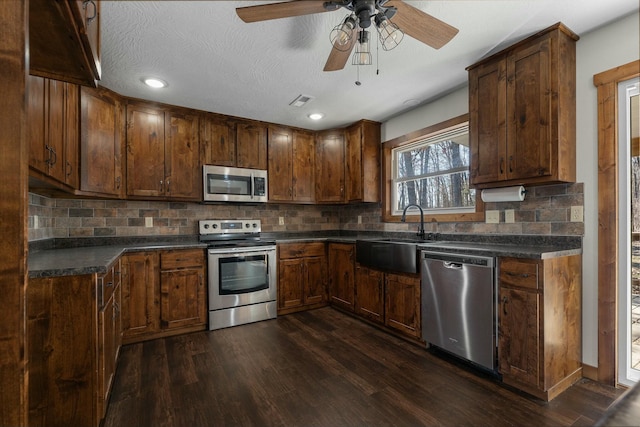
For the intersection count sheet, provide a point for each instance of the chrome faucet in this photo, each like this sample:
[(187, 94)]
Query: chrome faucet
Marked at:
[(404, 218)]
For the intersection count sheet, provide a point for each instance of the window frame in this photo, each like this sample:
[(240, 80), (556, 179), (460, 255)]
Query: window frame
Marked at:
[(387, 176)]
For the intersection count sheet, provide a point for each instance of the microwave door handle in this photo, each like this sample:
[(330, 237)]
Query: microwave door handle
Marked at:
[(251, 186)]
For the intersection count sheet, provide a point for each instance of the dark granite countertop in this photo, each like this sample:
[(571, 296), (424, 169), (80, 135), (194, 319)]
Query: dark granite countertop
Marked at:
[(64, 257)]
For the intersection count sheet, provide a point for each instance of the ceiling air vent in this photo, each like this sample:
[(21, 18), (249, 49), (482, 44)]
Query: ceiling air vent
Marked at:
[(301, 100)]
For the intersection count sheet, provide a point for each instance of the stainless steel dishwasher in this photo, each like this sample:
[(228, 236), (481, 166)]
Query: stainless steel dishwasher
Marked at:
[(459, 295)]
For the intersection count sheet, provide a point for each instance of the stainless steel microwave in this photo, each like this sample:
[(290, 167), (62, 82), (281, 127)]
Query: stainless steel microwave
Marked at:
[(226, 184)]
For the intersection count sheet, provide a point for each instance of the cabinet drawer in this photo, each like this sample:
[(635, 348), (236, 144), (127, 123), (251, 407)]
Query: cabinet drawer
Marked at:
[(171, 260), (299, 250), (519, 272)]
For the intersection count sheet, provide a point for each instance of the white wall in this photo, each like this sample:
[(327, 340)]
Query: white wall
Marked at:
[(602, 49)]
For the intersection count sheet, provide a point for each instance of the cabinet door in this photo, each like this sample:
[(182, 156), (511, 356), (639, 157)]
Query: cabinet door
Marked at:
[(519, 337), (487, 121), (145, 151), (106, 353), (139, 295), (369, 301), (218, 141), (280, 164), (182, 298), (71, 134), (303, 167), (529, 122), (315, 290), (330, 167), (251, 146), (342, 271), (183, 177), (55, 131), (101, 136), (402, 303), (354, 164), (291, 282), (88, 13), (36, 120)]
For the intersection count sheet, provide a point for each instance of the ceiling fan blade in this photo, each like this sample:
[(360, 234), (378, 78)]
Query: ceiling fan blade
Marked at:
[(338, 57), (422, 26), (265, 12)]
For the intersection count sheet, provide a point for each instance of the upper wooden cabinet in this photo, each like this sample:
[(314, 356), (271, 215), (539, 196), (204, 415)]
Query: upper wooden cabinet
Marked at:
[(290, 164), (251, 145), (64, 40), (363, 162), (330, 155), (226, 141), (522, 112), (162, 153), (52, 115), (101, 139)]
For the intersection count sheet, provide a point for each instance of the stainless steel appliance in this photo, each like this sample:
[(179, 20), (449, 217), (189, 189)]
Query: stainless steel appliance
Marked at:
[(459, 305), (242, 279), (226, 184)]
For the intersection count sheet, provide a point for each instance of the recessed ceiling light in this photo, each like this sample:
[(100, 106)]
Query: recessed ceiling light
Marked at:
[(316, 116), (154, 83)]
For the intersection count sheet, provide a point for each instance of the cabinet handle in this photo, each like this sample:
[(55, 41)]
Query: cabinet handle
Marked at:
[(168, 186), (95, 10), (69, 169), (510, 164), (504, 305), (161, 186), (201, 279), (118, 179), (523, 275), (109, 284), (501, 165)]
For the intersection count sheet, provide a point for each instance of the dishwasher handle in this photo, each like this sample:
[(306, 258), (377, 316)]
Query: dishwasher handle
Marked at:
[(452, 265)]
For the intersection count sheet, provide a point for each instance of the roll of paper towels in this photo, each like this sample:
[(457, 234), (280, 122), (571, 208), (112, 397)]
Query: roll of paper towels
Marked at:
[(506, 194)]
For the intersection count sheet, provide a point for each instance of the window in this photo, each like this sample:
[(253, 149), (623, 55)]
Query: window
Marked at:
[(430, 168), (434, 173)]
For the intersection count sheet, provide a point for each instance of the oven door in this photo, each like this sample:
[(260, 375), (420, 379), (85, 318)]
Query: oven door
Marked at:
[(241, 276)]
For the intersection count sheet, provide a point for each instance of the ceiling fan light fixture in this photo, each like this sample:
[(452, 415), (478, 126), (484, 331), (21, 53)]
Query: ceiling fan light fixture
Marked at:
[(389, 33), (362, 55), (341, 34)]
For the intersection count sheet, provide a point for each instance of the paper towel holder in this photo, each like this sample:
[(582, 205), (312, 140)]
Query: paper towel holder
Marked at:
[(504, 194)]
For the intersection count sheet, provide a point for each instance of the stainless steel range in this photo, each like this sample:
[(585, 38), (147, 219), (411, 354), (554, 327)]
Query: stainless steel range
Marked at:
[(242, 277)]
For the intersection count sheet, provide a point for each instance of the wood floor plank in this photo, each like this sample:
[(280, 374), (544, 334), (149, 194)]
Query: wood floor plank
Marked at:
[(323, 368)]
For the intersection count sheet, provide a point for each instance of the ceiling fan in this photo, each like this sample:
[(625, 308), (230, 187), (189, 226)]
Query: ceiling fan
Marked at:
[(352, 30)]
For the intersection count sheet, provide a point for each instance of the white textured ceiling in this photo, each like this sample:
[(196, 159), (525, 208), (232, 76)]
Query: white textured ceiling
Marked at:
[(215, 62)]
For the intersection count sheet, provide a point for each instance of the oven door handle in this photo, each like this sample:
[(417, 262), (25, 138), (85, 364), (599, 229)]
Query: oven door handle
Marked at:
[(228, 252), (251, 186)]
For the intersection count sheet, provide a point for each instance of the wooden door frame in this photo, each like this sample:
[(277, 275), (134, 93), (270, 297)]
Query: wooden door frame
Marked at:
[(14, 61), (607, 85)]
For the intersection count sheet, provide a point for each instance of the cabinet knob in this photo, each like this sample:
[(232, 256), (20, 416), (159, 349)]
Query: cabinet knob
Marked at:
[(504, 305)]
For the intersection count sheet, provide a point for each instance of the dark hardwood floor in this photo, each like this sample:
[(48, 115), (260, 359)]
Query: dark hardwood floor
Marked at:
[(322, 368)]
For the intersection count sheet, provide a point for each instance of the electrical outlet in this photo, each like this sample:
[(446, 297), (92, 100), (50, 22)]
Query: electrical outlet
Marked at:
[(359, 219), (577, 214), (35, 221), (492, 217), (281, 220), (509, 216), (148, 221)]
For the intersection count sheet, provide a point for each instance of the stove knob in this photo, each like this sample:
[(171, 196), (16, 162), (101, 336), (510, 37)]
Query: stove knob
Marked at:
[(215, 226), (247, 225), (206, 226), (255, 225)]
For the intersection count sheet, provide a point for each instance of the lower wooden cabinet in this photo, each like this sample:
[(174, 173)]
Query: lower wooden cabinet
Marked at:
[(342, 275), (164, 293), (369, 299), (390, 299), (539, 348), (402, 303), (302, 276), (73, 328)]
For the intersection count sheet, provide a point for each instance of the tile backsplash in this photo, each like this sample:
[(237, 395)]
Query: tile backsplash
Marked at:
[(545, 211)]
